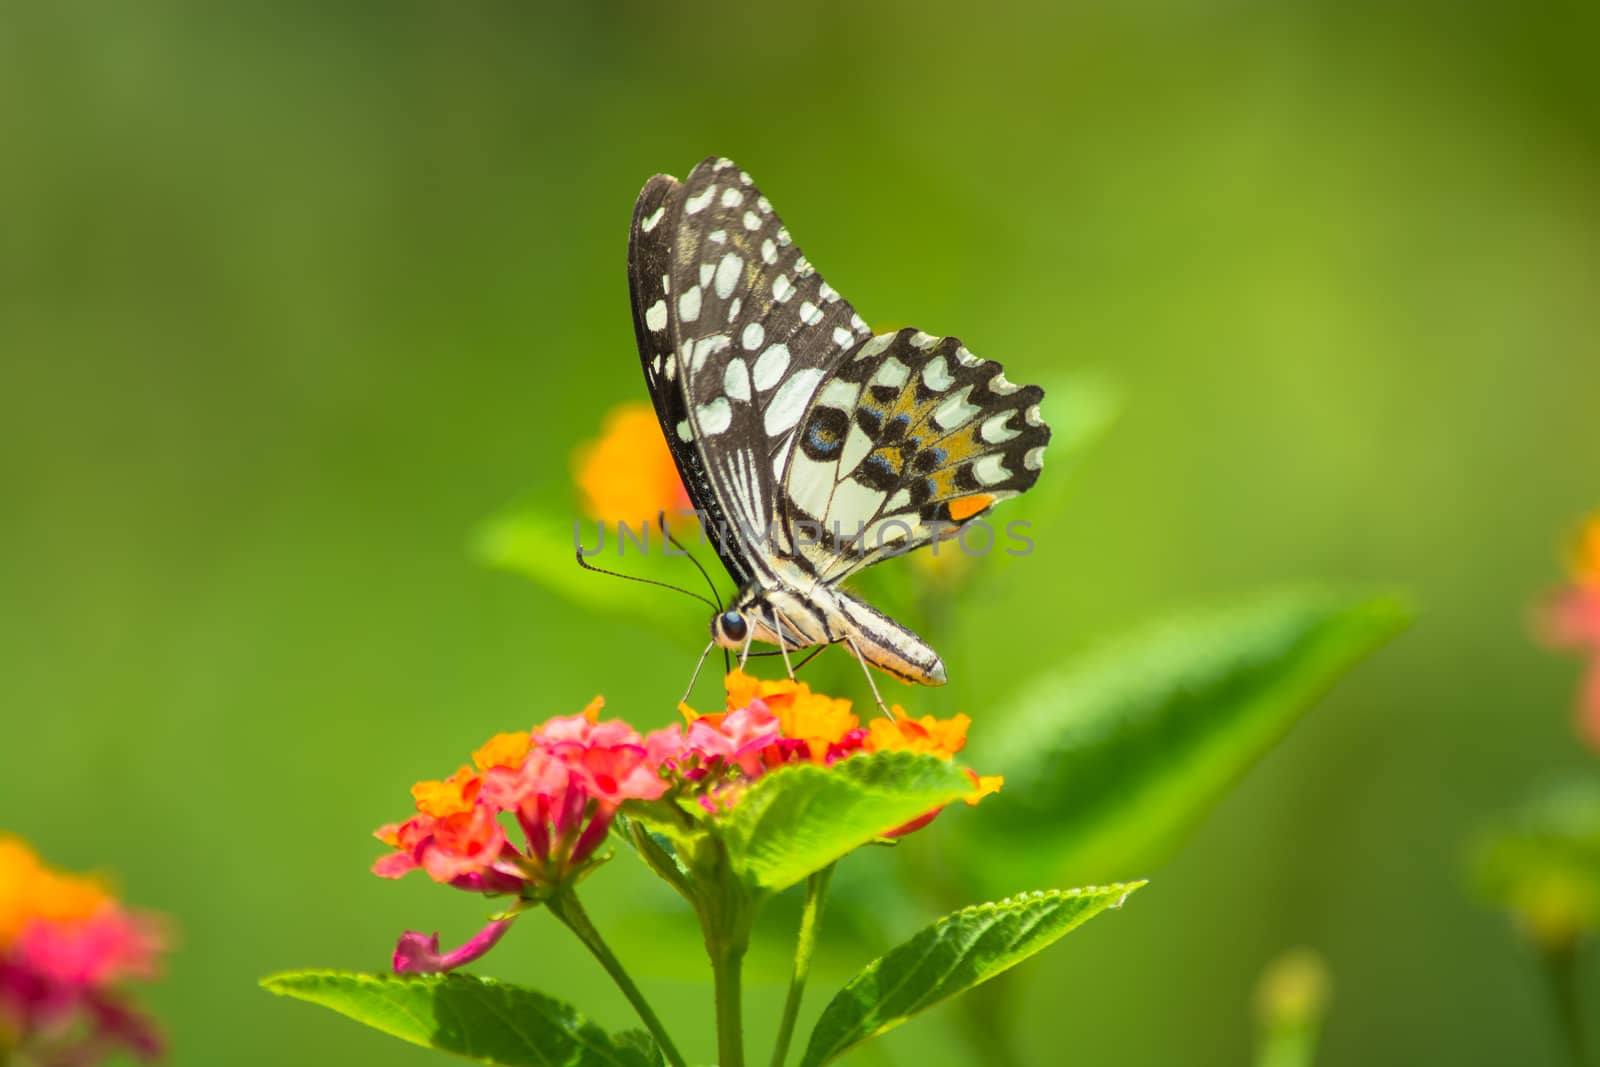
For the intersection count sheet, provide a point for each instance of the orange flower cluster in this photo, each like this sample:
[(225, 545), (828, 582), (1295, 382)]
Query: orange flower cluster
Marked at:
[(561, 785), (628, 475), (807, 725)]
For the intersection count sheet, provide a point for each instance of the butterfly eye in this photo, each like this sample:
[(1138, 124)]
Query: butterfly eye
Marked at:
[(733, 624)]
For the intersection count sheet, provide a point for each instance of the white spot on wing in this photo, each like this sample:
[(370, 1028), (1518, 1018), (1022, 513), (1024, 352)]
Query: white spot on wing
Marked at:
[(810, 314), (736, 379), (656, 317), (891, 372), (991, 469), (706, 270), (856, 447), (684, 433), (728, 274), (994, 430), (689, 305), (936, 375), (652, 219), (732, 197), (696, 204), (789, 402), (842, 337), (752, 337), (769, 252), (921, 339), (770, 366), (839, 394), (715, 416), (782, 289), (752, 221), (954, 411), (718, 237), (1034, 459), (1001, 386), (876, 345)]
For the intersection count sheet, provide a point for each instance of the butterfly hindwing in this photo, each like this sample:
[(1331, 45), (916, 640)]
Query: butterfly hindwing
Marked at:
[(745, 330), (909, 438)]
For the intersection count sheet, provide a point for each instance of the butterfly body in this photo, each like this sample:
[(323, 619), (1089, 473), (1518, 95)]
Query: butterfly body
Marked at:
[(811, 446), (795, 617)]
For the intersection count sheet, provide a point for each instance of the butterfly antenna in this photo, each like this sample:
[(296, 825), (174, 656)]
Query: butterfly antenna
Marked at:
[(661, 521), (647, 581)]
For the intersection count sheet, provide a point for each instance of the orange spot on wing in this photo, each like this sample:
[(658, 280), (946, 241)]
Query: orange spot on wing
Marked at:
[(965, 507)]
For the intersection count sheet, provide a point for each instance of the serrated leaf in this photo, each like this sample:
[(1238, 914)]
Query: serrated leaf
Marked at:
[(798, 819), (959, 951), (1112, 759), (479, 1018)]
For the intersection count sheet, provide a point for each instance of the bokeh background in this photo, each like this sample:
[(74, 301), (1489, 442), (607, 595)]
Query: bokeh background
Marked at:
[(292, 296)]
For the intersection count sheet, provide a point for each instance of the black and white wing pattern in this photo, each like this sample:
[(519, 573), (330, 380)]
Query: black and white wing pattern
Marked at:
[(907, 439), (736, 331)]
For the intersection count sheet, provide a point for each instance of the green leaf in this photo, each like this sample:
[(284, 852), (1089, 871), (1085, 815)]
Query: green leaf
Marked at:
[(1111, 760), (641, 1042), (539, 545), (479, 1018), (956, 953), (798, 819)]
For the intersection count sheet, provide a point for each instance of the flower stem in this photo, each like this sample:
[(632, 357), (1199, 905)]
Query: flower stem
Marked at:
[(804, 949), (1561, 968), (564, 906), (726, 965)]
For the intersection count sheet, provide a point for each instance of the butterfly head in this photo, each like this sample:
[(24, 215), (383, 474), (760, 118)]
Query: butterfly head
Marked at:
[(729, 629)]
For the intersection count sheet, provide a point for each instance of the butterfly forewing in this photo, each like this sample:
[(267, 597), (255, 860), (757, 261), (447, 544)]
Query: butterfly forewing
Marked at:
[(909, 438), (737, 331)]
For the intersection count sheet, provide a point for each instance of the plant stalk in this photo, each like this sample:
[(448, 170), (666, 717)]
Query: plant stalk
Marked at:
[(727, 962), (1561, 969), (805, 947), (565, 906)]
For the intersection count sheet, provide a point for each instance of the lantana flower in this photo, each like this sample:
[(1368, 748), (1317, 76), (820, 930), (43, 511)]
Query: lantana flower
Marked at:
[(1571, 619), (527, 818), (559, 784), (628, 474), (66, 947)]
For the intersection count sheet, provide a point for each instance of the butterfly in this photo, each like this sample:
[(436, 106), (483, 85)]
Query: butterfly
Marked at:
[(810, 446)]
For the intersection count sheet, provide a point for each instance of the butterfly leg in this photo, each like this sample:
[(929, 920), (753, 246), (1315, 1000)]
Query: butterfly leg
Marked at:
[(695, 677), (744, 653), (856, 650), (783, 646)]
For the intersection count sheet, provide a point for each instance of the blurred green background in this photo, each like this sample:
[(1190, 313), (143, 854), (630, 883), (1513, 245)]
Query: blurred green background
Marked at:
[(292, 296)]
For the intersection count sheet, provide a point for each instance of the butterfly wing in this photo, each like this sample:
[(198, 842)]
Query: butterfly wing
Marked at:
[(908, 439), (736, 331)]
